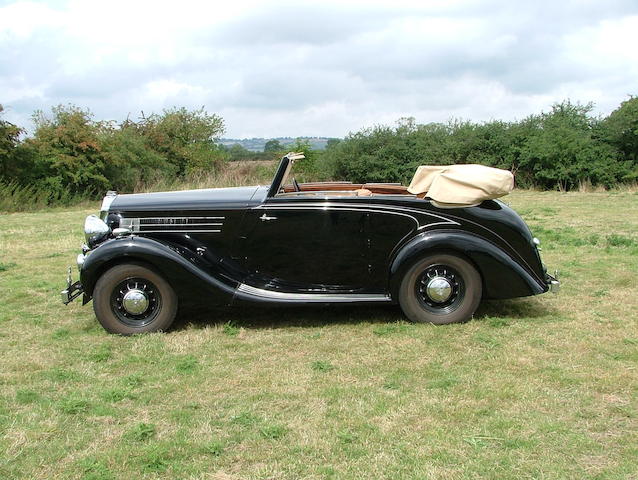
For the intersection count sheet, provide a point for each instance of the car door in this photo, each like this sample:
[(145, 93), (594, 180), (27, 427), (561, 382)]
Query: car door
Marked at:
[(306, 246)]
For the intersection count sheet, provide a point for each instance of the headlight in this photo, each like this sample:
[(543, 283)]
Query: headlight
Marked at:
[(95, 230)]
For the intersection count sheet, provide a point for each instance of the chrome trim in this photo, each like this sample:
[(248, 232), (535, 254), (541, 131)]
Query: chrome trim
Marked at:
[(80, 260), (537, 244), (553, 282), (178, 224), (172, 224), (121, 232), (95, 229), (176, 220), (365, 208), (439, 289), (178, 231), (312, 297), (135, 301), (266, 218), (72, 290), (133, 224), (106, 203)]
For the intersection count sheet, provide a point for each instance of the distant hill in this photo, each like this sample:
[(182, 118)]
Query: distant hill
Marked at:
[(257, 144)]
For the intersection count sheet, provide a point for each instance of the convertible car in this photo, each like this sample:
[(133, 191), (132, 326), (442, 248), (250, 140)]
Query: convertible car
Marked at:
[(300, 244)]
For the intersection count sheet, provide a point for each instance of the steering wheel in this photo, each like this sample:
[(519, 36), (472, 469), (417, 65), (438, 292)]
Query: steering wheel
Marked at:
[(295, 185)]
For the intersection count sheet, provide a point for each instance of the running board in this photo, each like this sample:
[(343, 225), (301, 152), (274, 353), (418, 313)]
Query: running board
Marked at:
[(246, 292)]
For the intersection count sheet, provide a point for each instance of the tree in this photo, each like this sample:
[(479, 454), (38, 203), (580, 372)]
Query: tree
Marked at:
[(332, 142), (620, 130), (68, 156), (238, 152), (564, 147), (309, 168), (130, 162), (273, 146), (564, 151), (9, 141), (185, 138)]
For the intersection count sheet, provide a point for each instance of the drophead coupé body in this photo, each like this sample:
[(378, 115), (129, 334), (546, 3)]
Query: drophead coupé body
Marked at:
[(290, 243)]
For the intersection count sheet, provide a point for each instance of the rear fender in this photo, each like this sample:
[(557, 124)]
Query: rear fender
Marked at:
[(187, 272), (503, 276)]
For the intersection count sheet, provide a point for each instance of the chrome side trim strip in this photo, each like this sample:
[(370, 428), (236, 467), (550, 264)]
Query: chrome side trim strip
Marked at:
[(173, 224), (404, 211), (151, 225), (181, 218), (177, 231), (312, 297)]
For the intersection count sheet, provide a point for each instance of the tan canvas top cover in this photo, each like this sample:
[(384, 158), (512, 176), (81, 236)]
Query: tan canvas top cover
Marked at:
[(461, 185)]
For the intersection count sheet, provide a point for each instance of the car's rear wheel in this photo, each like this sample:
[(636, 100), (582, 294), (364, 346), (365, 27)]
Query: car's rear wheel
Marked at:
[(131, 298), (440, 289)]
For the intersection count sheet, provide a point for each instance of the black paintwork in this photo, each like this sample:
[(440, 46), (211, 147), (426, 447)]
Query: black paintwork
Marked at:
[(317, 244), (190, 200)]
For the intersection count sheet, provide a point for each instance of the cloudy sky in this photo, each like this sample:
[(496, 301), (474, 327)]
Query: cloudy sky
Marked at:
[(316, 68)]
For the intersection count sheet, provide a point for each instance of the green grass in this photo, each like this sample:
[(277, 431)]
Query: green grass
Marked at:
[(542, 387)]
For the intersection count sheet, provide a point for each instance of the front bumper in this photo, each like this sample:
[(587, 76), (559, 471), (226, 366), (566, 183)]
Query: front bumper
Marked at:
[(72, 291), (552, 282)]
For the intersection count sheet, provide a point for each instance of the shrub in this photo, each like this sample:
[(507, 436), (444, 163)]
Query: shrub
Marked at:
[(184, 138), (563, 148), (130, 162), (67, 153)]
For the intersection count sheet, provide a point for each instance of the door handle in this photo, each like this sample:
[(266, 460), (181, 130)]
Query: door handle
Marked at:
[(266, 218)]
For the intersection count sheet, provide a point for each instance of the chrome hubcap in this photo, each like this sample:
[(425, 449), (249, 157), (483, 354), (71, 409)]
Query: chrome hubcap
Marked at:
[(135, 302), (439, 289)]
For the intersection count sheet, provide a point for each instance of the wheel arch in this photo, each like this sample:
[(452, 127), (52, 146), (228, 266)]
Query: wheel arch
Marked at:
[(183, 270), (91, 280), (501, 275), (434, 250)]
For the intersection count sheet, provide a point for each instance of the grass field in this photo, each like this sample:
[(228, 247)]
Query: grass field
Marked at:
[(542, 387)]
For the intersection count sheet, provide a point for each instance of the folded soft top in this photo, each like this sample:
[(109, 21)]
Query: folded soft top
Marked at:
[(451, 186)]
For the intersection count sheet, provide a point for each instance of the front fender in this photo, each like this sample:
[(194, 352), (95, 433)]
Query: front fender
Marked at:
[(187, 272), (503, 276)]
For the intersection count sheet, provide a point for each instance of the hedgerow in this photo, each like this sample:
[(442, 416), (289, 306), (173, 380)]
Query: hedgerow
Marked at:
[(562, 148)]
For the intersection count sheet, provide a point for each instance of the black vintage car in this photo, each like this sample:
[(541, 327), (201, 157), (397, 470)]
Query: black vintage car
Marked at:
[(291, 243)]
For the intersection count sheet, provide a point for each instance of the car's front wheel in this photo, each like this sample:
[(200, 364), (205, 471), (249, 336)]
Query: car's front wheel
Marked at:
[(440, 289), (132, 298)]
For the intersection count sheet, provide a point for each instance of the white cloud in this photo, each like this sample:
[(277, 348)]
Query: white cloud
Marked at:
[(316, 68), (22, 19)]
